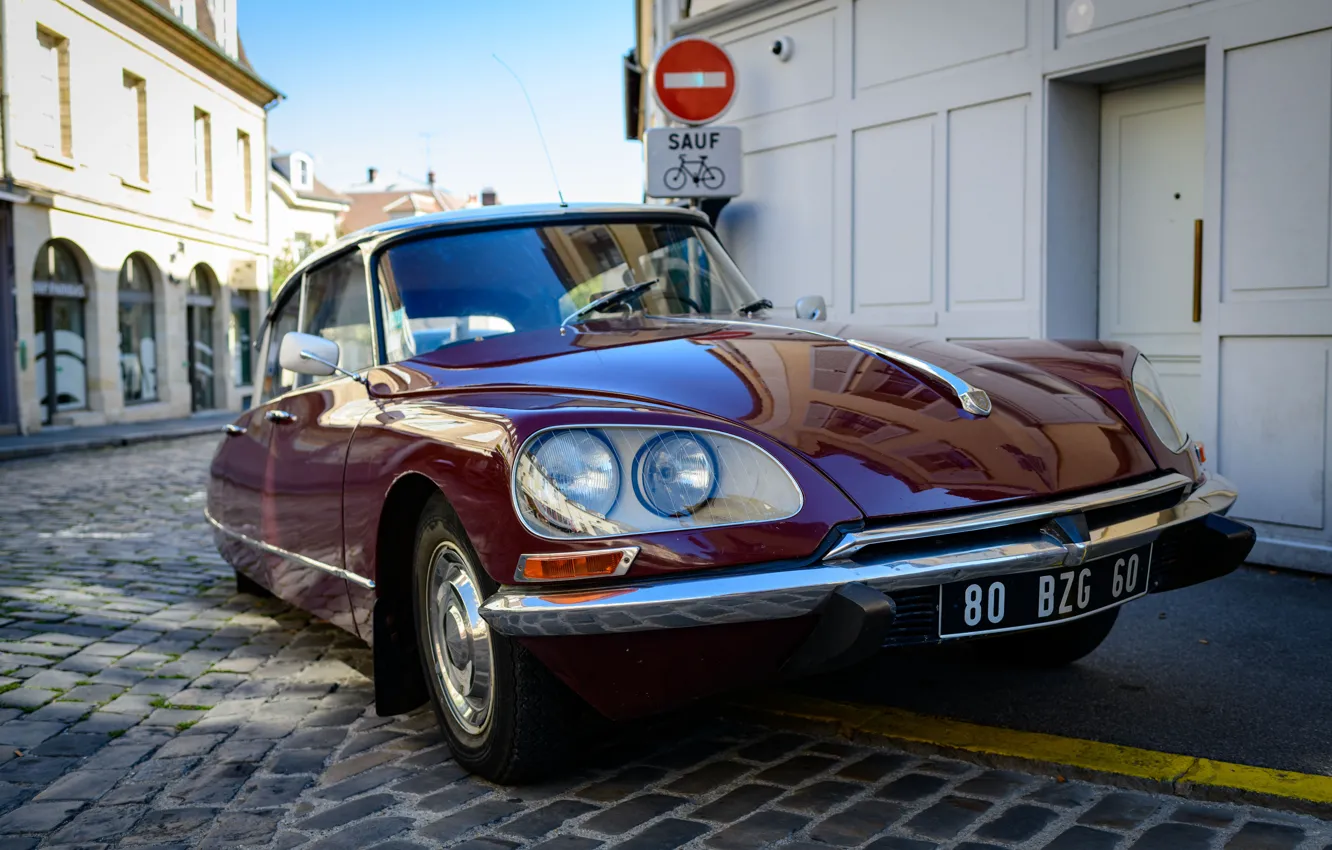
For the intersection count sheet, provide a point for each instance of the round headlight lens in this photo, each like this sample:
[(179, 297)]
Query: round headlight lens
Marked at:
[(1151, 398), (675, 473), (582, 466)]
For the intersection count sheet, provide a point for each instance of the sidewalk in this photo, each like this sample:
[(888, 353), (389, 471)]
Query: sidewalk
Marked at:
[(53, 440)]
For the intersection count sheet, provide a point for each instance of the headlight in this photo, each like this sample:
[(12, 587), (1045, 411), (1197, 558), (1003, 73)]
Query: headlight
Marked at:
[(1151, 398), (674, 474), (576, 482), (581, 467)]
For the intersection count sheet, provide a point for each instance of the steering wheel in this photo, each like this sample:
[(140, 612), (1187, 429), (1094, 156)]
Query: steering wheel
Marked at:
[(664, 266), (691, 303)]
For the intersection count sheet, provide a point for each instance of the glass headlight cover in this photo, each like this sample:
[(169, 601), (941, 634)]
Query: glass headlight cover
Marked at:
[(1151, 398), (665, 479), (581, 469), (675, 473)]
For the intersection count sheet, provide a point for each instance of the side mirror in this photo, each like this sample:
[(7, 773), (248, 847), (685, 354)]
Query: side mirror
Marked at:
[(307, 354), (811, 307)]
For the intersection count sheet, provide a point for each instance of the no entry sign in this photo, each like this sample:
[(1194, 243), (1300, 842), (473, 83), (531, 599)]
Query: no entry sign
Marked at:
[(694, 80)]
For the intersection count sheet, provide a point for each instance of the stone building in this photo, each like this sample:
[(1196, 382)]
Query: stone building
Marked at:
[(134, 205)]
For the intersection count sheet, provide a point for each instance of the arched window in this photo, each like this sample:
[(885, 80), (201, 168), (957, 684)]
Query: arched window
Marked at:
[(199, 303), (61, 357), (138, 343)]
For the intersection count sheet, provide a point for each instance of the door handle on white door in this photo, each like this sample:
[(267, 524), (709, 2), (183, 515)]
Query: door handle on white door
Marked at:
[(1197, 268), (280, 417)]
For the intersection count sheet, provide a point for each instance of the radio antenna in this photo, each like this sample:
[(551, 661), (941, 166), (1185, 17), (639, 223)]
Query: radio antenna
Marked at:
[(553, 176)]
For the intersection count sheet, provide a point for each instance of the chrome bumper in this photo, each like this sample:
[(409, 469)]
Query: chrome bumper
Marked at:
[(707, 599)]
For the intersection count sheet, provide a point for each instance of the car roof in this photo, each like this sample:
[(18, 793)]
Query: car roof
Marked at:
[(500, 215)]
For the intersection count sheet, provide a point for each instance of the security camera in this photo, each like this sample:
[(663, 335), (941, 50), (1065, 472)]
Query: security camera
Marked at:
[(783, 47)]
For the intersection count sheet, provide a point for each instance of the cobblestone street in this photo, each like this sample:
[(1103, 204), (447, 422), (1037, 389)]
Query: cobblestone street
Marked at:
[(144, 703)]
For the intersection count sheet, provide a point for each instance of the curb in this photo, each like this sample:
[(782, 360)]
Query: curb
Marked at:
[(109, 441), (1190, 777)]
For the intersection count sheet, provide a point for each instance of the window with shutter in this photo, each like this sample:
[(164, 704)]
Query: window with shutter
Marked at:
[(246, 172), (203, 156), (52, 98), (134, 137)]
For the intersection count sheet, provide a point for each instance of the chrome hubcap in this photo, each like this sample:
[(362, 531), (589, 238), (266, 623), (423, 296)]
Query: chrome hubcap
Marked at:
[(459, 639)]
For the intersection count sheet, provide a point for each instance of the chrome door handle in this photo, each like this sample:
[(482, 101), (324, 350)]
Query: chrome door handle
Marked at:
[(280, 417), (233, 430)]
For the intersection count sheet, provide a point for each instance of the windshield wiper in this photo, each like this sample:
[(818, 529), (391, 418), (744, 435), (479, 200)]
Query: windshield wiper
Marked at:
[(610, 299), (754, 307)]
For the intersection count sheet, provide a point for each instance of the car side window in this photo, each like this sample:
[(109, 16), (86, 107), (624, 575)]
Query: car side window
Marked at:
[(337, 307), (276, 379)]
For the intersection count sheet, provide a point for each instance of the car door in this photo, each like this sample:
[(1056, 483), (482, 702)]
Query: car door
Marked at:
[(242, 464), (309, 430)]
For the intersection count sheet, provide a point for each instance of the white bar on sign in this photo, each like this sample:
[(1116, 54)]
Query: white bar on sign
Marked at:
[(695, 80)]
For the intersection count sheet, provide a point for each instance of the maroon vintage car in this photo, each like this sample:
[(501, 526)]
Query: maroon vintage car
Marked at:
[(549, 457)]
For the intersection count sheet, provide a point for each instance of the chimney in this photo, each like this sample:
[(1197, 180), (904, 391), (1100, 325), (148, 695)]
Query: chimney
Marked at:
[(430, 177), (488, 197), (370, 174)]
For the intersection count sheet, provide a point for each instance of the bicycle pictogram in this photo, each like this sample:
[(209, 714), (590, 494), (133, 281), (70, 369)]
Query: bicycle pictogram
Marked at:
[(698, 170)]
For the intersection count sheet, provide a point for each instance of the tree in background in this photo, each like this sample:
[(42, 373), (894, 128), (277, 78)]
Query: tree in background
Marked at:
[(292, 254)]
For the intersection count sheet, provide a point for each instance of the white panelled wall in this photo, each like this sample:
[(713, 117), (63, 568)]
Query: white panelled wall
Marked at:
[(940, 166)]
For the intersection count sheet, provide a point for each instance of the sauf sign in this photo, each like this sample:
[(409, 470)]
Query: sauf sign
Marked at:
[(694, 81), (702, 162)]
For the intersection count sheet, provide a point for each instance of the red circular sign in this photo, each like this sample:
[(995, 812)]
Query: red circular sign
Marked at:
[(694, 80)]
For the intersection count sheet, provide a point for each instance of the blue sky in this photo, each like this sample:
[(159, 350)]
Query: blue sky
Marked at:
[(365, 80)]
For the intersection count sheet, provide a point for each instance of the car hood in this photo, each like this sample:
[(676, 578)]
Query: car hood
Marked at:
[(894, 440)]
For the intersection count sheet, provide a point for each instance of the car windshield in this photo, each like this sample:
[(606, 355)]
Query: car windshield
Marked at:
[(444, 289)]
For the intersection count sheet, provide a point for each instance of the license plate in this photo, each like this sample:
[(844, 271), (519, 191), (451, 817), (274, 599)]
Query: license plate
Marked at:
[(1025, 600)]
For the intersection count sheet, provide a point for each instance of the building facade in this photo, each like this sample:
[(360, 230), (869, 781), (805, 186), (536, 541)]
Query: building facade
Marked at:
[(135, 208), (303, 213), (1152, 171)]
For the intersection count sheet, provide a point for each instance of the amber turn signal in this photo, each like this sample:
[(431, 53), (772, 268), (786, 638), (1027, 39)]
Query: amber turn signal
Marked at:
[(601, 563), (1200, 450)]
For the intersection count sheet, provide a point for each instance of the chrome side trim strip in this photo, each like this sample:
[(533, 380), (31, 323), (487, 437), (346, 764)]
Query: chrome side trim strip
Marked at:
[(980, 521), (703, 599), (974, 401), (291, 556)]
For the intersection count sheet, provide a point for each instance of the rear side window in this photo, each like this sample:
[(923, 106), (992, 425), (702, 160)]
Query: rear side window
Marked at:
[(337, 307), (276, 379)]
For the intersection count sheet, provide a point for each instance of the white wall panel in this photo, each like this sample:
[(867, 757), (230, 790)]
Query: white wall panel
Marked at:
[(893, 217), (987, 180), (1107, 13), (895, 39), (1274, 412), (781, 230), (767, 84), (1277, 168)]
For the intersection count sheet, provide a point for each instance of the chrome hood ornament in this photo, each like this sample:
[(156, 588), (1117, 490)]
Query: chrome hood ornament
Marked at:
[(974, 401)]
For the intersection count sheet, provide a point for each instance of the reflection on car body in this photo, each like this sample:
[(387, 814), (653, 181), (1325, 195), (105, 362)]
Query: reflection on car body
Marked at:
[(676, 493)]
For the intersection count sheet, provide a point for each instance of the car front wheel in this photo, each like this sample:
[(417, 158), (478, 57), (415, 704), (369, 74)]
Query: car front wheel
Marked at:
[(1052, 646), (504, 715)]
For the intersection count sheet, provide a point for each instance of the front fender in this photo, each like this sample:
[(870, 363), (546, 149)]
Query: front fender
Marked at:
[(1102, 368), (466, 445)]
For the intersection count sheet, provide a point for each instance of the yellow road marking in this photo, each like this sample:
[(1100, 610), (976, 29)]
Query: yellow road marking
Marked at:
[(1179, 771)]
